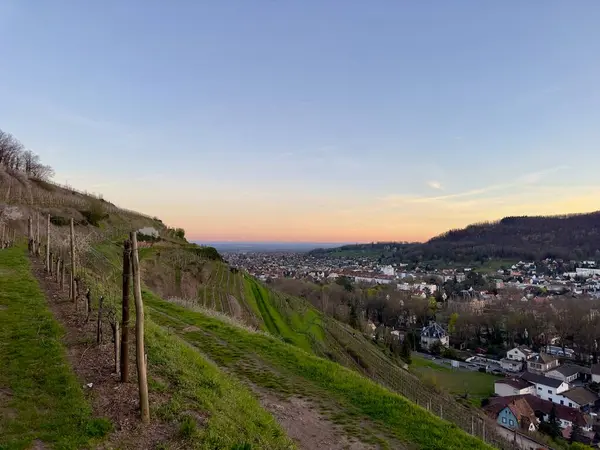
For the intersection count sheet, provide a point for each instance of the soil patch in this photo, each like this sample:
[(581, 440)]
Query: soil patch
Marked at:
[(305, 425), (5, 410), (95, 367), (38, 445)]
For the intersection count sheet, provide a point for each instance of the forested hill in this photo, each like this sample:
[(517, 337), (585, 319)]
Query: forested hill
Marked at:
[(537, 237)]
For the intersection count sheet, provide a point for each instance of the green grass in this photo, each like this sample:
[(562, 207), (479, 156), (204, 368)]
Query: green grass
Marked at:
[(492, 266), (40, 396), (457, 382), (282, 319), (231, 416), (271, 363)]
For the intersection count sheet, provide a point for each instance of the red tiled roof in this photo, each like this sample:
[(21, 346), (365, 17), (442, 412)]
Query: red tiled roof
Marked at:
[(544, 406)]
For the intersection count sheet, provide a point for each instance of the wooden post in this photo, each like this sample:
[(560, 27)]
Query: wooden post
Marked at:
[(30, 235), (62, 275), (139, 331), (99, 327), (48, 244), (117, 341), (125, 312), (88, 304), (73, 294), (58, 264), (37, 236)]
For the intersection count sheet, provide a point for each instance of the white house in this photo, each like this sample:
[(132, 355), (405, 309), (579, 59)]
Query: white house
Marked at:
[(432, 334), (511, 365), (596, 373), (587, 272), (521, 353), (542, 363), (547, 388), (567, 373), (388, 270), (513, 386)]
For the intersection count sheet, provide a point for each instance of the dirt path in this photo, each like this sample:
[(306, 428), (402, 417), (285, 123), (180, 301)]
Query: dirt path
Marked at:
[(305, 425), (95, 369)]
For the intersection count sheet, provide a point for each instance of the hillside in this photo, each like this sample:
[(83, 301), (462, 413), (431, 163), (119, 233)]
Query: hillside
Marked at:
[(531, 238), (226, 354)]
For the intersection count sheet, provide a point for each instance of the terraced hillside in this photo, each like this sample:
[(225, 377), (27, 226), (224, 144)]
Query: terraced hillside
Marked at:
[(211, 327)]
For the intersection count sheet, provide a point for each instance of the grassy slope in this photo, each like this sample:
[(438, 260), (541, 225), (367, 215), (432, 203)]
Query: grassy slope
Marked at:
[(231, 416), (478, 385), (360, 405), (42, 398)]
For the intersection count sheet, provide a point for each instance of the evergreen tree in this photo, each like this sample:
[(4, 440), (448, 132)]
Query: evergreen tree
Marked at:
[(576, 433), (553, 425), (405, 351)]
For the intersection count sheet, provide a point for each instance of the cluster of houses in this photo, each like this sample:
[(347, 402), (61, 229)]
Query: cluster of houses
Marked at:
[(543, 386)]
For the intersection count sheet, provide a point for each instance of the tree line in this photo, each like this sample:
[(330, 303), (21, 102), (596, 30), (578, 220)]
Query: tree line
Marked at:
[(16, 157), (501, 322), (568, 237)]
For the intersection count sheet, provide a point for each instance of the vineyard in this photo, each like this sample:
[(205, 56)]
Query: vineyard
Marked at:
[(267, 339), (297, 322)]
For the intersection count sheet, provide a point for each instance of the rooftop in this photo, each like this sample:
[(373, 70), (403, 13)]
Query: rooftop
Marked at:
[(541, 379), (543, 406), (543, 358), (581, 396), (517, 383), (433, 330), (567, 370)]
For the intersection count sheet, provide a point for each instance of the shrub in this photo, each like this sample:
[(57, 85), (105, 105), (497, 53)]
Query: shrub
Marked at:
[(95, 213), (449, 353), (59, 221), (205, 252)]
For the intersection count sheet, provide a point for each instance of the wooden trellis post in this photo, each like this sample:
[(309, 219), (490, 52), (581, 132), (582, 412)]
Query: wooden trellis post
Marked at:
[(125, 311), (72, 284), (139, 331), (48, 244)]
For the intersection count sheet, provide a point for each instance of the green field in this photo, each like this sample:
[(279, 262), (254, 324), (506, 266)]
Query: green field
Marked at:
[(40, 398), (363, 408), (476, 385)]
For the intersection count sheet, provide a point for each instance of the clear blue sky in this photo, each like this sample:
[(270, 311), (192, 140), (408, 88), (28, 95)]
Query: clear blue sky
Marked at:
[(311, 120)]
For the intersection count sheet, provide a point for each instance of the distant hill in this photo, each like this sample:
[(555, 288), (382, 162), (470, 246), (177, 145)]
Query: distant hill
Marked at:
[(567, 237)]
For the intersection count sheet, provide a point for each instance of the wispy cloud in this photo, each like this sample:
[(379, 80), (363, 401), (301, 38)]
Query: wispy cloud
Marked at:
[(435, 185), (531, 178)]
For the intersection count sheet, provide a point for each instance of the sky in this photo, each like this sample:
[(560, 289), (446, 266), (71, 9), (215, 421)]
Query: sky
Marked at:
[(311, 120)]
